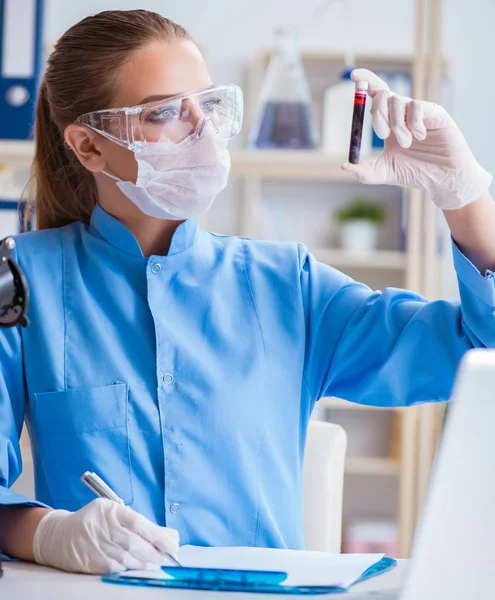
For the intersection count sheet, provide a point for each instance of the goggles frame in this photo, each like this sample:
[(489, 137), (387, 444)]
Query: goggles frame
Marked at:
[(129, 120)]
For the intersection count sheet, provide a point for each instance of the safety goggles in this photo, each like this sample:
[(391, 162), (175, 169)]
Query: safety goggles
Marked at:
[(172, 120)]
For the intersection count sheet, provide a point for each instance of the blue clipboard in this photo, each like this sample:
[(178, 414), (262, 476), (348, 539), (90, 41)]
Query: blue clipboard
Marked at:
[(233, 580)]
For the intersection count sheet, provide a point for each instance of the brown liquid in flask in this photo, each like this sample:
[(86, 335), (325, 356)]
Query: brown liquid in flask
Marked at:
[(284, 119)]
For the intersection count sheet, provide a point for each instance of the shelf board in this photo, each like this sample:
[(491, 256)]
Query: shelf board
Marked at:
[(289, 165), (360, 465), (404, 61), (338, 404), (395, 62), (378, 259), (16, 152)]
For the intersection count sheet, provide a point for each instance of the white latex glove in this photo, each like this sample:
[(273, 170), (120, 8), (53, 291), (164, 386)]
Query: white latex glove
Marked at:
[(102, 537), (424, 149)]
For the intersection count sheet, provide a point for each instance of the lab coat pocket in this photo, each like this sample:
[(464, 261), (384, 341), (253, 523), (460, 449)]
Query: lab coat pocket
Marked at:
[(78, 431)]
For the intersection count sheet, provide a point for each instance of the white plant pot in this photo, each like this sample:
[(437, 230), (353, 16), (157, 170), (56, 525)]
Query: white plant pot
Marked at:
[(359, 236)]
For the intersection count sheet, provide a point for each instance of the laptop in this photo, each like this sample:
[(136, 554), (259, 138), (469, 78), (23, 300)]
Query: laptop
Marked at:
[(453, 555)]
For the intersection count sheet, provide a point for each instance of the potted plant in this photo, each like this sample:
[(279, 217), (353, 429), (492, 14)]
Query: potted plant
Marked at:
[(359, 223)]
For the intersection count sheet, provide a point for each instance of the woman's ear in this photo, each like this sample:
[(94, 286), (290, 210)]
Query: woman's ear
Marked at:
[(85, 145)]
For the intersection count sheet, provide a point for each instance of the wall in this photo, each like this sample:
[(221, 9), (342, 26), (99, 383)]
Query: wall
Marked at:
[(232, 29), (467, 35), (467, 31)]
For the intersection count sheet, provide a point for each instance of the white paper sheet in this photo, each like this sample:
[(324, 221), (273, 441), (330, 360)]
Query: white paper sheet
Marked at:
[(302, 568)]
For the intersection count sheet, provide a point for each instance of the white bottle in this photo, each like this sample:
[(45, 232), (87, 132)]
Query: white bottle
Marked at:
[(338, 105)]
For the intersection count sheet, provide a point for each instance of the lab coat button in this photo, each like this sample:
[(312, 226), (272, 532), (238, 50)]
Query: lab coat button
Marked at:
[(168, 378), (156, 268), (174, 508)]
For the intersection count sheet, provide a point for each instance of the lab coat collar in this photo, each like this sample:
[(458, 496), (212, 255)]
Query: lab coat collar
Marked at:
[(118, 235)]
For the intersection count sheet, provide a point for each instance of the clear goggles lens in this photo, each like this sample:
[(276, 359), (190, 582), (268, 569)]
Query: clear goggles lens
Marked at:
[(171, 120)]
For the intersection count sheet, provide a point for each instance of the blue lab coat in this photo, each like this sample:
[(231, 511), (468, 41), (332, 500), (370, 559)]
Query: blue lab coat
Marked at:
[(187, 381)]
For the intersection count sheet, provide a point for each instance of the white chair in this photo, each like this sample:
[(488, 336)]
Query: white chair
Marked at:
[(324, 486)]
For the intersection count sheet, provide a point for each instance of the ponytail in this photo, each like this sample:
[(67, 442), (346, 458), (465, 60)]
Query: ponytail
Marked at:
[(62, 190), (81, 76)]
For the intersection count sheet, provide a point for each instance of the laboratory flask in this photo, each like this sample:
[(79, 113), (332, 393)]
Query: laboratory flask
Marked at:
[(284, 118)]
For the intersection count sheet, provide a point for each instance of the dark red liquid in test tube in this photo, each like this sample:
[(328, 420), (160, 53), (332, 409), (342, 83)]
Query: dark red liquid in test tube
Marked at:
[(360, 96)]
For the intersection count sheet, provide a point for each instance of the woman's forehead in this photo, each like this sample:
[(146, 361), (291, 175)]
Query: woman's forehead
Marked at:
[(161, 69)]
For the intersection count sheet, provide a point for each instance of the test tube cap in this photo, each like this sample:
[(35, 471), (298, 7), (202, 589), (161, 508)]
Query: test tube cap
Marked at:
[(362, 85)]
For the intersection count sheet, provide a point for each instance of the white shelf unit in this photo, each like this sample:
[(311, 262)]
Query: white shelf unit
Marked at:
[(15, 153), (254, 167), (365, 465), (387, 260), (297, 165), (337, 403), (381, 466)]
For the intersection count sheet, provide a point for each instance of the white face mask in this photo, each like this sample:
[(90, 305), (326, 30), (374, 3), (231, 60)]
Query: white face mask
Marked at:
[(179, 181)]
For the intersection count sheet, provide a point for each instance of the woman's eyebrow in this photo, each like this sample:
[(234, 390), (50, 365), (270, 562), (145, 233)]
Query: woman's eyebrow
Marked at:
[(155, 98), (166, 96)]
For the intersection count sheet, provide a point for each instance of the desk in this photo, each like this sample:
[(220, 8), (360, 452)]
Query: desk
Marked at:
[(26, 581)]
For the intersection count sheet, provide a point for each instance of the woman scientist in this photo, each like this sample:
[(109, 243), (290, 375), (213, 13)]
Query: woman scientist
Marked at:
[(183, 366)]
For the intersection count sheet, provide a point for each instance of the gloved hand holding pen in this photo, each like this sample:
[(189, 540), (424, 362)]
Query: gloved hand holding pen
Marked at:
[(102, 537), (424, 149)]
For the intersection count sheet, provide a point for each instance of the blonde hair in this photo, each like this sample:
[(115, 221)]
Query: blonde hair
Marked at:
[(80, 77)]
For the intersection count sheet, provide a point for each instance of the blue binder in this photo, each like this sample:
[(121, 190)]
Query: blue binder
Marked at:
[(230, 580), (21, 63)]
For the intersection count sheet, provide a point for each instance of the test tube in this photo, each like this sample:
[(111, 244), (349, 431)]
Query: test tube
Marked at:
[(360, 94)]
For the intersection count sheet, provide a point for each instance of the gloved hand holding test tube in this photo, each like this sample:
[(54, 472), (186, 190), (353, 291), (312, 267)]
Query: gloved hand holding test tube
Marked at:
[(423, 147)]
